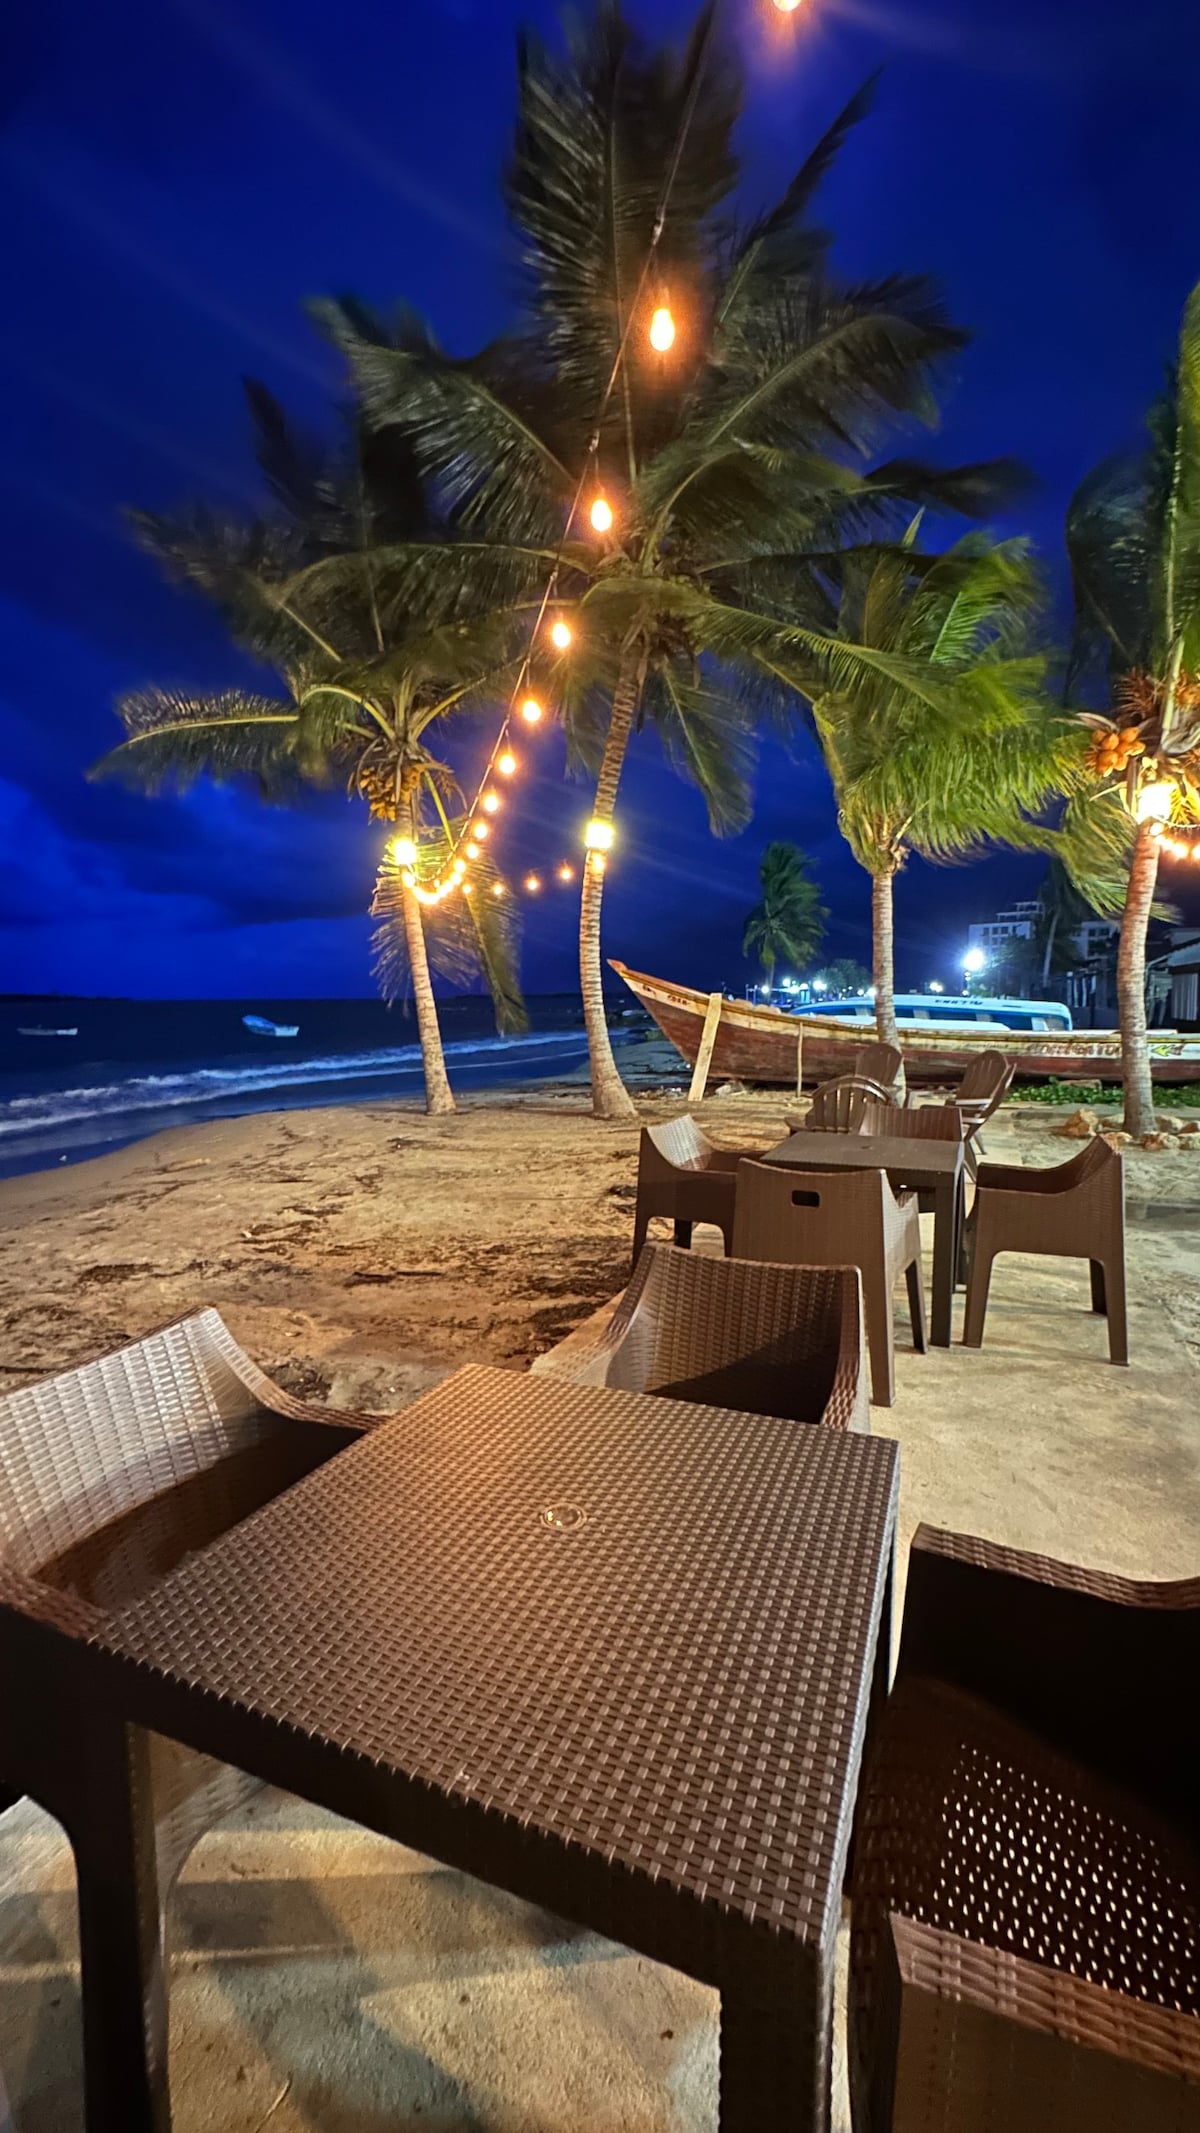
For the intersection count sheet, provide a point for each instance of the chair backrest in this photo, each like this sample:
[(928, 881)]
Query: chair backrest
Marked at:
[(782, 1340), (924, 1122), (987, 1081), (1096, 1163), (84, 1456), (809, 1217), (878, 1062), (844, 1106), (679, 1141)]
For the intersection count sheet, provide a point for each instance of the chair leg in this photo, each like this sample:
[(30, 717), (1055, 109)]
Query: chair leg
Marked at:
[(1099, 1302), (683, 1235), (1113, 1276), (881, 1339), (641, 1229), (916, 1304), (979, 1281)]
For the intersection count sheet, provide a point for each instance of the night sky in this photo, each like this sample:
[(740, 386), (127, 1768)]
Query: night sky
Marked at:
[(177, 176)]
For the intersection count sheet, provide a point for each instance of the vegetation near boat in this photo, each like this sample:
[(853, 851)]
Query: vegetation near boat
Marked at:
[(760, 1044)]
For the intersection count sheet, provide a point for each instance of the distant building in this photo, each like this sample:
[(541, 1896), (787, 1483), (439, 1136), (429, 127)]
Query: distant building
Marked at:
[(1016, 924), (1183, 972)]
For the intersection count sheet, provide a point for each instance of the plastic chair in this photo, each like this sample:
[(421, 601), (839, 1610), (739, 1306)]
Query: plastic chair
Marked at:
[(839, 1218), (773, 1340), (1025, 1927), (683, 1176), (109, 1476), (1074, 1211)]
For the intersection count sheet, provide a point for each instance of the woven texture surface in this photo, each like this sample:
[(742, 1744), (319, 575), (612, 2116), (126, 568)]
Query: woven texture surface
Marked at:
[(642, 1626), (774, 1340), (1031, 1795)]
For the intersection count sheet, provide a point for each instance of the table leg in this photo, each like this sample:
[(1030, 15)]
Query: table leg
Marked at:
[(124, 1991), (777, 2052), (945, 1252)]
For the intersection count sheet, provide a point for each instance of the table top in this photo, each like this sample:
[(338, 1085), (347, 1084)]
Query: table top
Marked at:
[(640, 1626), (916, 1160)]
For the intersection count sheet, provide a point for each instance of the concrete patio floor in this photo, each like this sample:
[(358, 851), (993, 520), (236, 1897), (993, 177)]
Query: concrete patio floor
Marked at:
[(327, 1982)]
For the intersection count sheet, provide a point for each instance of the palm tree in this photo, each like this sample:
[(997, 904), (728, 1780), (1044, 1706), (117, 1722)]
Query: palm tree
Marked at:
[(1133, 532), (731, 465), (358, 703), (949, 742), (788, 926), (842, 977)]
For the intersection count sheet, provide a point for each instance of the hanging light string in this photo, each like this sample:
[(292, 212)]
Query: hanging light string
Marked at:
[(501, 761)]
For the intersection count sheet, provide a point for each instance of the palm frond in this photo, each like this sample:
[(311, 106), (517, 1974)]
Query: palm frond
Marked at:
[(470, 936), (173, 739)]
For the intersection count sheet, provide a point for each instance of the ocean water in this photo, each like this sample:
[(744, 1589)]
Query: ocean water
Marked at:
[(136, 1066)]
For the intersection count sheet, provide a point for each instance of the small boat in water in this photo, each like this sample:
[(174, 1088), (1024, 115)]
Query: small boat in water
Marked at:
[(260, 1027), (762, 1044), (37, 1032)]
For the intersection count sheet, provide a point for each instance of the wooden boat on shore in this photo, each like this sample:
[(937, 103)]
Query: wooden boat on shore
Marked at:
[(765, 1045)]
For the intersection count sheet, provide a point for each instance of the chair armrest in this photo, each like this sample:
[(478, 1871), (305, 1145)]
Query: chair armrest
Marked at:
[(1006, 1177), (981, 2037), (1098, 1665), (727, 1159)]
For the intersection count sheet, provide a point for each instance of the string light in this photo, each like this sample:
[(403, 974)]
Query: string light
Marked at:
[(480, 831), (505, 764), (598, 836), (472, 851), (560, 635), (662, 330), (497, 888), (403, 851), (601, 515), (531, 711), (566, 873), (787, 7), (532, 883), (490, 803)]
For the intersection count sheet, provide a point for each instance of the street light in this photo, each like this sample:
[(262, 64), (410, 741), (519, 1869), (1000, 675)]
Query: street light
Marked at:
[(934, 986), (819, 985), (974, 961)]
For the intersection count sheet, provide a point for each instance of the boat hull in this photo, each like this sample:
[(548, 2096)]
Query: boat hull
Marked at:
[(760, 1044)]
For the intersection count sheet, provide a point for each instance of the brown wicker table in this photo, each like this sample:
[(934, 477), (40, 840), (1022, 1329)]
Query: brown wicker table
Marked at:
[(930, 1166), (613, 1652)]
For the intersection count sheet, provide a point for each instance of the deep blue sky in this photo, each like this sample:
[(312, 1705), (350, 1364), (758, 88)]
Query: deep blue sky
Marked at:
[(176, 176)]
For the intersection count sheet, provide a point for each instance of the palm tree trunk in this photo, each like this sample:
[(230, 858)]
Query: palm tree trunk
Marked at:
[(610, 1097), (1131, 984), (439, 1096), (883, 957)]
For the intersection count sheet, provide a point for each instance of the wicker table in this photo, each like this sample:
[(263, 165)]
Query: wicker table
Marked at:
[(921, 1165), (612, 1652)]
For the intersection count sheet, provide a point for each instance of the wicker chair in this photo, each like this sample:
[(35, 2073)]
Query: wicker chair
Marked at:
[(681, 1175), (839, 1218), (1025, 1939), (109, 1475), (774, 1340), (1074, 1211)]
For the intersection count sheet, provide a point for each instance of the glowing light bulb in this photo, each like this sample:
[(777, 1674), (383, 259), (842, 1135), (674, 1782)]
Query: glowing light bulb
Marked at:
[(505, 764), (471, 850), (597, 862), (598, 836), (480, 830), (532, 884), (601, 515), (497, 888), (560, 635), (787, 7), (490, 804), (662, 328), (531, 711), (403, 851), (460, 868), (1154, 801), (568, 873)]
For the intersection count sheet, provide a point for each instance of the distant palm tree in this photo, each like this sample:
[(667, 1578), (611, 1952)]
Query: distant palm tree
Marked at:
[(358, 701), (788, 926), (842, 977), (732, 465), (948, 741), (1133, 532)]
